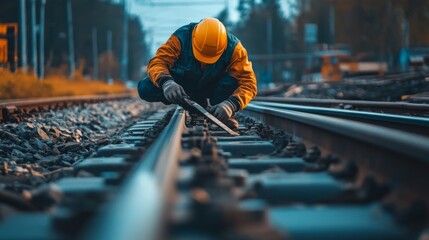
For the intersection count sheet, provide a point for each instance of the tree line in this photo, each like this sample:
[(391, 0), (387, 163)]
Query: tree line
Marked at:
[(377, 27), (88, 16), (381, 27), (263, 29)]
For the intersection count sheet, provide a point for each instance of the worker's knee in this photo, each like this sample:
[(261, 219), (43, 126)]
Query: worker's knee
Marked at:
[(148, 91)]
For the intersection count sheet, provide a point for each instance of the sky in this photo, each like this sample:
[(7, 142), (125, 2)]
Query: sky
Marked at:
[(162, 19)]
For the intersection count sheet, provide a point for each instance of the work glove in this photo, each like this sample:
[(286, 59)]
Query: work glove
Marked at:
[(224, 110), (173, 92)]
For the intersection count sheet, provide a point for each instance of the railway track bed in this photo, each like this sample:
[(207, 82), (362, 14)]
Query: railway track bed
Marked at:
[(45, 145), (288, 175)]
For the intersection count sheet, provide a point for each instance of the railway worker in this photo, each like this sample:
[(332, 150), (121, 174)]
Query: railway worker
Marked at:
[(202, 61)]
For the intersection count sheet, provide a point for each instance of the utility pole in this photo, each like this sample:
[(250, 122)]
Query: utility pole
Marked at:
[(405, 33), (228, 10), (124, 58), (109, 56), (331, 22), (42, 40), (70, 40), (34, 37), (23, 32), (404, 53), (94, 54), (270, 47)]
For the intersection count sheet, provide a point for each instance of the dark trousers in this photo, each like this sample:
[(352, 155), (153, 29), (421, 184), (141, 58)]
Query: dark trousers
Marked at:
[(217, 92)]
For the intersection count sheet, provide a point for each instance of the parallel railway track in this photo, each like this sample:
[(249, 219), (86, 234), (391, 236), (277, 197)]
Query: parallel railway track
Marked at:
[(11, 107), (418, 125), (375, 149), (374, 106), (289, 175)]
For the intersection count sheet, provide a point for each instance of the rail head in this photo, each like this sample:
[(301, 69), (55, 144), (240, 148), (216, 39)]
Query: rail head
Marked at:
[(138, 209), (387, 106)]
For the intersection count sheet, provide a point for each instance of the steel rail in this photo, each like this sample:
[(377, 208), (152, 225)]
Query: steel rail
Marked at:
[(139, 207), (399, 156), (388, 107), (418, 125), (370, 80), (418, 99), (25, 105)]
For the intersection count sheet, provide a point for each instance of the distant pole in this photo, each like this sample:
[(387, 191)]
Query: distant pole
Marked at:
[(94, 54), (270, 47), (23, 31), (109, 56), (124, 60), (228, 10), (405, 33), (404, 53), (70, 39), (332, 22), (34, 37), (42, 40)]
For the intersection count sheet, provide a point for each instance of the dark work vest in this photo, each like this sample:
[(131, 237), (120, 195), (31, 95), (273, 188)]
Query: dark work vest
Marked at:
[(187, 70)]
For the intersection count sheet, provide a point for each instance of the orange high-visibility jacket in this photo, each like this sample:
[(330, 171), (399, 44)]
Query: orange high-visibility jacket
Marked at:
[(240, 68)]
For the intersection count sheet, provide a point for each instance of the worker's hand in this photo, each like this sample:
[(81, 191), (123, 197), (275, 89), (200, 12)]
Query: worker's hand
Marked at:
[(173, 92), (223, 111)]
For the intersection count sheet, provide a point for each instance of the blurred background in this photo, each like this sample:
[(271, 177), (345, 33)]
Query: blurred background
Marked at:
[(73, 47)]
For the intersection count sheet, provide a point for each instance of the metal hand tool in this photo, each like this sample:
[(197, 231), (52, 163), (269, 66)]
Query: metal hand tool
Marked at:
[(210, 116)]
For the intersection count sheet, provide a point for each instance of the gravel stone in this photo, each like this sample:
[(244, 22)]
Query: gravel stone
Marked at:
[(42, 134), (373, 88), (48, 141)]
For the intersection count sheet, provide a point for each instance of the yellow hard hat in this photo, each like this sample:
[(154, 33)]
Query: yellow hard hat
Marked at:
[(209, 40)]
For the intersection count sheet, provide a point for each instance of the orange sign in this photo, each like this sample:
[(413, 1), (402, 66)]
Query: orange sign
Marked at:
[(4, 42), (3, 51), (4, 26)]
